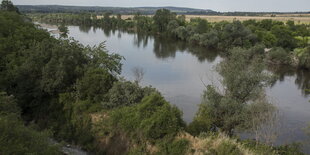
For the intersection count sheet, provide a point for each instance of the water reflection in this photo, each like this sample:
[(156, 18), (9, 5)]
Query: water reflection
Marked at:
[(302, 79), (85, 28)]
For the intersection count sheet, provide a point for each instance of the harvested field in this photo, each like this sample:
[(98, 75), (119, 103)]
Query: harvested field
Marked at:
[(298, 18)]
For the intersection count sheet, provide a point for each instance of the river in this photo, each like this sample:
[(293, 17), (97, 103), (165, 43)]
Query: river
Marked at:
[(180, 72)]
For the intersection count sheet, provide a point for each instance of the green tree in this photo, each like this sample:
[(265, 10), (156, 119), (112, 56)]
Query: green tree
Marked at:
[(162, 18), (63, 30), (284, 36), (202, 26), (210, 39), (7, 5), (243, 80), (126, 94), (237, 35)]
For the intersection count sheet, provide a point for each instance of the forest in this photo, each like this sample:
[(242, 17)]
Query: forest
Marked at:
[(56, 89)]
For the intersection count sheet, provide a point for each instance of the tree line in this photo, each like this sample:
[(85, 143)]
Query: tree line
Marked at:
[(285, 43)]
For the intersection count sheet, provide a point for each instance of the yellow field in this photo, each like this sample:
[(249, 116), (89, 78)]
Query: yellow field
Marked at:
[(298, 18)]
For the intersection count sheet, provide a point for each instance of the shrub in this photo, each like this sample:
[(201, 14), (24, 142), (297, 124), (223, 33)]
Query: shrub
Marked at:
[(177, 147), (15, 137), (152, 119), (279, 56), (303, 56), (125, 93)]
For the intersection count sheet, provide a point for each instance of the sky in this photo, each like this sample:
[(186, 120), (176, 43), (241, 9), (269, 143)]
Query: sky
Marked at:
[(216, 5)]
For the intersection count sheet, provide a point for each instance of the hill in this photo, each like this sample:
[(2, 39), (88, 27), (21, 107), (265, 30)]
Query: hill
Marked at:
[(116, 10)]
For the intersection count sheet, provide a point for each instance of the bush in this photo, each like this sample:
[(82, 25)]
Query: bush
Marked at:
[(95, 84), (279, 56), (177, 147), (15, 137), (125, 93), (198, 126), (152, 119), (303, 56)]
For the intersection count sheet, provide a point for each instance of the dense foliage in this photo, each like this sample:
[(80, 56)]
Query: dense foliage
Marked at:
[(58, 84), (153, 119), (55, 82), (15, 137)]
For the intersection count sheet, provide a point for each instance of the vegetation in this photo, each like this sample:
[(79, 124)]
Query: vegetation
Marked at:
[(63, 30), (243, 80), (76, 93), (16, 138)]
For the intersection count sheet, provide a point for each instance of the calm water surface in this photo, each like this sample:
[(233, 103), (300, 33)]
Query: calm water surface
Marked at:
[(180, 72)]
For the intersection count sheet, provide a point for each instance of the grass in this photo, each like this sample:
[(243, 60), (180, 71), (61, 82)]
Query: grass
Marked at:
[(217, 144), (297, 19)]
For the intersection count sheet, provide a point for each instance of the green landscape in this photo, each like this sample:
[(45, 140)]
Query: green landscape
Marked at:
[(58, 94)]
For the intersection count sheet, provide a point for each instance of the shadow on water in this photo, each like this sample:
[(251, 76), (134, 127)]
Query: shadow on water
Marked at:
[(165, 47), (302, 80)]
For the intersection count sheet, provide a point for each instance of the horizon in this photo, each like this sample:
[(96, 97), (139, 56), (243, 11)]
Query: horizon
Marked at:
[(306, 11), (219, 6)]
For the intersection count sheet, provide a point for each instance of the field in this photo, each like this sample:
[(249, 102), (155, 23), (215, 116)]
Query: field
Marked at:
[(298, 18)]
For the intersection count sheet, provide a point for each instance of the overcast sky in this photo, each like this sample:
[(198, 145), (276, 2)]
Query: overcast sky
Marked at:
[(216, 5)]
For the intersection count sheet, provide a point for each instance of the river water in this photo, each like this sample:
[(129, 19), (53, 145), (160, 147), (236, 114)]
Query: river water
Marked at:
[(180, 72)]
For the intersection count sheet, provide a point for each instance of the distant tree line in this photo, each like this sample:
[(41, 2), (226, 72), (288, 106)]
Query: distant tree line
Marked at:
[(289, 42)]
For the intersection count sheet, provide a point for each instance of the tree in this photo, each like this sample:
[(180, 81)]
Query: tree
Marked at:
[(303, 57), (125, 93), (63, 30), (263, 120), (243, 80), (202, 26), (237, 35), (210, 39), (284, 35), (7, 5), (94, 85), (162, 18), (172, 26)]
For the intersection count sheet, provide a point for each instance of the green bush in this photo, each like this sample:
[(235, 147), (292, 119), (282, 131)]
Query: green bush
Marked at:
[(279, 56), (125, 93), (95, 84), (199, 125), (15, 137), (176, 147), (303, 56), (152, 119)]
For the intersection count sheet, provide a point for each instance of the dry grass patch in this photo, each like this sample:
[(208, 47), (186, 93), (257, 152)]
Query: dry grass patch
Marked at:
[(211, 144)]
